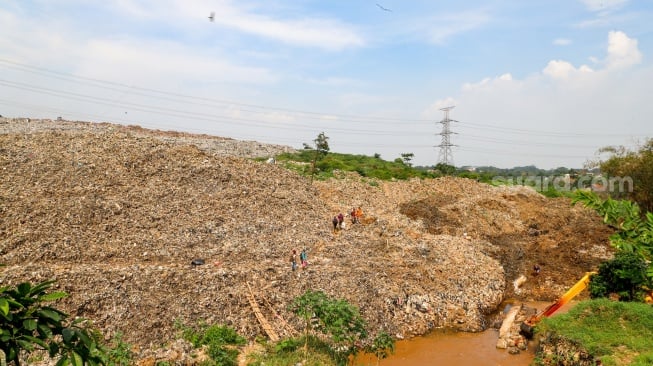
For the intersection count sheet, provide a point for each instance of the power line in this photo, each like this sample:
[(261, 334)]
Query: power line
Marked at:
[(254, 108), (166, 111), (257, 116), (165, 95)]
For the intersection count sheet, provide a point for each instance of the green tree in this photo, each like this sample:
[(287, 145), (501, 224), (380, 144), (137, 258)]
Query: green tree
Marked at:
[(625, 275), (445, 169), (27, 324), (321, 143), (407, 157), (333, 317), (633, 233), (637, 165), (382, 346)]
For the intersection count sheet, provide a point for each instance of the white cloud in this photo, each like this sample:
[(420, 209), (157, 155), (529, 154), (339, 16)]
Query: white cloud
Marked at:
[(310, 31), (561, 42), (148, 63), (354, 99), (563, 70), (319, 33), (488, 82), (434, 111), (622, 50), (505, 77), (499, 117), (603, 5), (306, 31), (333, 81), (440, 29)]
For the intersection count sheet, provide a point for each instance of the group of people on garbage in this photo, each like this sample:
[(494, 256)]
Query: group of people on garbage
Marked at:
[(303, 257), (338, 222)]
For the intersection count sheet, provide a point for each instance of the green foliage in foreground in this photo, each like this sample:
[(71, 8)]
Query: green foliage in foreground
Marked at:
[(367, 166), (617, 333), (634, 164), (291, 351), (625, 275), (120, 352), (634, 230), (335, 318), (28, 325), (218, 339), (382, 346)]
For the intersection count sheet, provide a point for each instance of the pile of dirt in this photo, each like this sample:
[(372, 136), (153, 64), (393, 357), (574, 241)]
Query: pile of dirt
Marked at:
[(517, 226), (117, 214)]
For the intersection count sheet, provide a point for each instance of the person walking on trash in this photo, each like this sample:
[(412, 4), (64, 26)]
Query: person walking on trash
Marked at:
[(293, 259), (303, 257)]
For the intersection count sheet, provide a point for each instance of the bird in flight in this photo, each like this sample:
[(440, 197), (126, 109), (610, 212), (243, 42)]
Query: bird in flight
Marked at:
[(212, 16), (382, 8)]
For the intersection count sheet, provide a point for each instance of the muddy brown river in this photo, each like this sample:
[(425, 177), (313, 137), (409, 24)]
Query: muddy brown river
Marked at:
[(452, 349)]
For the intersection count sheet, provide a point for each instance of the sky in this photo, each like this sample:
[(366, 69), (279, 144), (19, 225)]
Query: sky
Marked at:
[(543, 83)]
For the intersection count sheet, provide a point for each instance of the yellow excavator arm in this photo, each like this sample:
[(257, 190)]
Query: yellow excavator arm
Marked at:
[(527, 326)]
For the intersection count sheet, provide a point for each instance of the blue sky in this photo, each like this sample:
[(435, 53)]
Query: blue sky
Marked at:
[(533, 82)]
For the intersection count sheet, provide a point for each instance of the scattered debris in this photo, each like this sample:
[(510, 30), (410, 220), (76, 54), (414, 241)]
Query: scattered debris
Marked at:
[(197, 262)]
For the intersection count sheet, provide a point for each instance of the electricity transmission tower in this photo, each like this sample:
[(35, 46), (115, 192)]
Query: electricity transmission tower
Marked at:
[(446, 156)]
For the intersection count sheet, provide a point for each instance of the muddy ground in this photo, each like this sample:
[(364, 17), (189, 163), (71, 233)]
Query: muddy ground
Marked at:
[(116, 214)]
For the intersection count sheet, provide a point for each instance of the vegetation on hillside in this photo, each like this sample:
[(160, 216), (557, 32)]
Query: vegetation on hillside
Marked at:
[(633, 164), (317, 161), (367, 166)]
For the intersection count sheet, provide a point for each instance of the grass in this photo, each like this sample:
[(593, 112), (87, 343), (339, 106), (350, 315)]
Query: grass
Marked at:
[(618, 333), (291, 352), (120, 352), (220, 341)]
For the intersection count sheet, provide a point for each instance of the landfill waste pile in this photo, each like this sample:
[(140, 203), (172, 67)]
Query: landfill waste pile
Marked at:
[(146, 228)]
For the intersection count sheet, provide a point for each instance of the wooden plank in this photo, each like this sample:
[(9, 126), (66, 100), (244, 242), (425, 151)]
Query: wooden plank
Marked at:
[(261, 319)]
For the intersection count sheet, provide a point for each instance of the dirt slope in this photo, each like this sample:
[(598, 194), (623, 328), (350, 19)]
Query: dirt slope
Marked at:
[(116, 215)]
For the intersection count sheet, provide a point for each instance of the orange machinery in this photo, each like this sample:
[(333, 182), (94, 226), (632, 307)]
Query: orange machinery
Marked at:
[(528, 325)]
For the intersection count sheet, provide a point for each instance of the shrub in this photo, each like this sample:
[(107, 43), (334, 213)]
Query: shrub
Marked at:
[(27, 324), (120, 353), (624, 275), (217, 338)]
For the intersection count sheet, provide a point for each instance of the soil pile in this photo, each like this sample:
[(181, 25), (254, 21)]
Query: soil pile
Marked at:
[(117, 214)]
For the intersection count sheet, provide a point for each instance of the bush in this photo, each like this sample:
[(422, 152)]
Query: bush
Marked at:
[(336, 318), (288, 345), (217, 338), (624, 275), (120, 353), (26, 325)]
